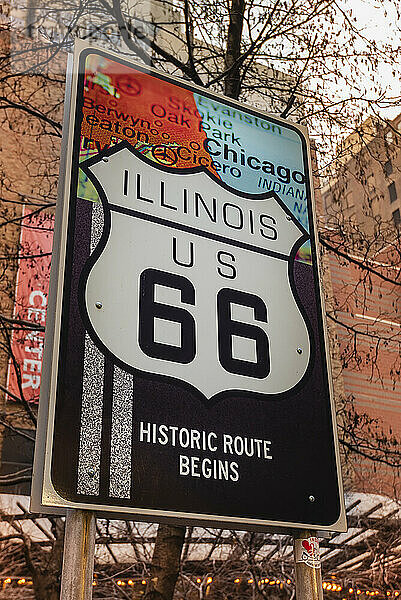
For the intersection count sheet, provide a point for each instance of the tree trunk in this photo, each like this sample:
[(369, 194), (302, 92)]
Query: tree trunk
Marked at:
[(232, 83), (45, 569), (165, 562)]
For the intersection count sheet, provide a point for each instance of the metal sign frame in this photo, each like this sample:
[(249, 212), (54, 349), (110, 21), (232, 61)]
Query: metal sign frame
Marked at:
[(45, 497)]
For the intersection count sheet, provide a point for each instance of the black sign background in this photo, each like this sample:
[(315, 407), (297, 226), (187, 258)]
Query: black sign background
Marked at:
[(299, 425)]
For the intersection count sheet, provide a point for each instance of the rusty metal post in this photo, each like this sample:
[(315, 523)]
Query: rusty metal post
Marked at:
[(79, 552), (308, 573)]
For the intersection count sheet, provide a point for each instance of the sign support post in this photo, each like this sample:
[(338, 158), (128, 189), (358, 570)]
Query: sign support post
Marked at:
[(308, 572), (79, 552)]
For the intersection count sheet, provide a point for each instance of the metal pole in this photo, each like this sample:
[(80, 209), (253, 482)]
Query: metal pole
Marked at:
[(308, 573), (79, 552)]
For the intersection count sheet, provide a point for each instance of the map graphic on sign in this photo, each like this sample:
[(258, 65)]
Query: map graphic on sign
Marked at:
[(190, 228), (185, 367)]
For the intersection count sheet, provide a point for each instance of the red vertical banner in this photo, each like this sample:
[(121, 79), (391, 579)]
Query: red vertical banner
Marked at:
[(30, 306)]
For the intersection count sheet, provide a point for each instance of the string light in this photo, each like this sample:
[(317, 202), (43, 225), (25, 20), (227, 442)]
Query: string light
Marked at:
[(329, 586), (333, 587)]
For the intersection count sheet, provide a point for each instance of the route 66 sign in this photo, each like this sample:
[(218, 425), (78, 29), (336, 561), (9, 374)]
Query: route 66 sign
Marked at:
[(186, 361), (182, 230)]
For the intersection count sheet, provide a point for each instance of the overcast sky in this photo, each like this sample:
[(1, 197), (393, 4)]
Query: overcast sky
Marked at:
[(379, 20)]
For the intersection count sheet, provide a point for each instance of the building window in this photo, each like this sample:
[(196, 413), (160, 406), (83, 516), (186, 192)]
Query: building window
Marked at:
[(392, 192), (371, 189), (326, 201), (397, 218), (371, 185), (349, 201), (388, 168), (17, 455)]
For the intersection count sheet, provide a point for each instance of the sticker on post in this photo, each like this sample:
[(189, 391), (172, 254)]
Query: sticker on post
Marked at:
[(307, 551)]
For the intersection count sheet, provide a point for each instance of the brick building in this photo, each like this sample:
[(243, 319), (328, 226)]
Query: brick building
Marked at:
[(363, 203), (368, 189)]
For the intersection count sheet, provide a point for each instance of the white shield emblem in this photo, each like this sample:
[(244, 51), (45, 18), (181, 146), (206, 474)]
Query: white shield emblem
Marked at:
[(192, 280)]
